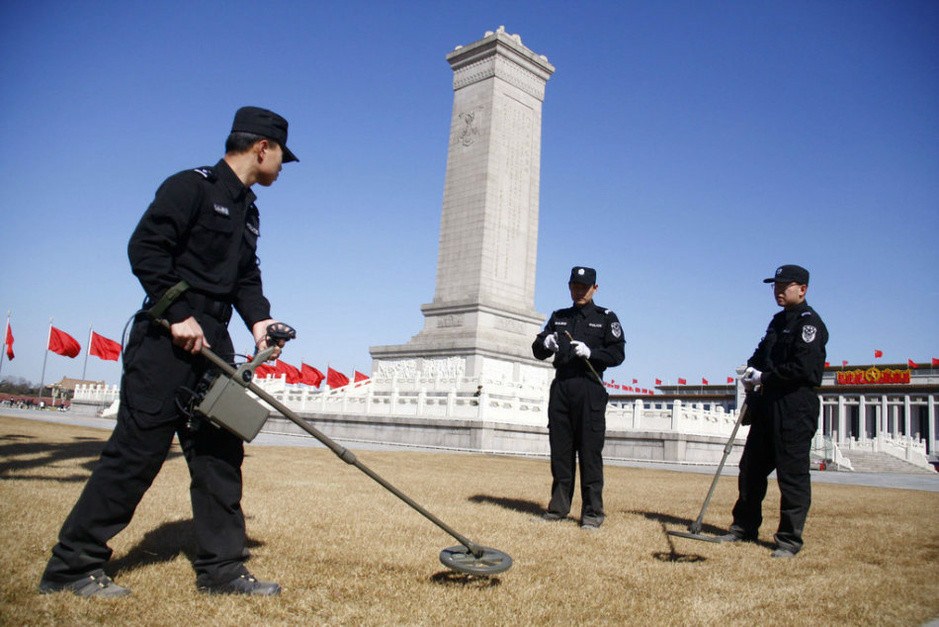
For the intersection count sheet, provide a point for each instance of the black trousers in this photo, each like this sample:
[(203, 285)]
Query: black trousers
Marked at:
[(780, 439), (154, 372), (577, 430)]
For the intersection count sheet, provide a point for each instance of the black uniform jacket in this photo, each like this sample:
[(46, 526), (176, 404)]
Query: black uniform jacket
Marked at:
[(202, 227), (792, 353), (596, 327)]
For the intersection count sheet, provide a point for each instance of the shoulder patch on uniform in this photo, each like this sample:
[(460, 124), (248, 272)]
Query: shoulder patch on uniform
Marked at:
[(808, 333), (206, 172), (616, 330)]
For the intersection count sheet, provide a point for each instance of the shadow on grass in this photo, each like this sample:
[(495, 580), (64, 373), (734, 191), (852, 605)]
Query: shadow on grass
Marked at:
[(675, 556), (450, 578), (21, 454), (685, 523), (517, 505), (164, 544)]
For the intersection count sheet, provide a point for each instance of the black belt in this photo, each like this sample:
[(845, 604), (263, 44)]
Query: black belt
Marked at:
[(221, 310)]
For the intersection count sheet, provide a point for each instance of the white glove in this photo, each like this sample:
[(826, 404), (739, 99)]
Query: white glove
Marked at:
[(551, 342), (752, 379), (581, 349)]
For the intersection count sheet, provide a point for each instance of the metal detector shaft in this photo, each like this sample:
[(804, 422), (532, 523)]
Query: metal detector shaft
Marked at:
[(587, 361), (696, 525), (342, 452)]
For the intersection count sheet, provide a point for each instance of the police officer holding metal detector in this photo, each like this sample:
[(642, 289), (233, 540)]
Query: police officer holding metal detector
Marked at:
[(780, 380), (194, 252), (585, 339)]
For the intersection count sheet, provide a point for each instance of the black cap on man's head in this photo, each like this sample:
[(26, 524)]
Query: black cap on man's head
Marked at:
[(790, 274), (584, 276), (265, 123)]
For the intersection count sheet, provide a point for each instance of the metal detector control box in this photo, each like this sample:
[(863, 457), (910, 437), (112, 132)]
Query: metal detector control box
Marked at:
[(226, 403)]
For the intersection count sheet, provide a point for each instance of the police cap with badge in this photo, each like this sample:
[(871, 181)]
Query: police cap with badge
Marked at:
[(583, 275), (790, 274), (265, 123)]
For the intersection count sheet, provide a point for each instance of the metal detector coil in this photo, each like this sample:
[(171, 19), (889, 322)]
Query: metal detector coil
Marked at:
[(487, 562), (226, 403)]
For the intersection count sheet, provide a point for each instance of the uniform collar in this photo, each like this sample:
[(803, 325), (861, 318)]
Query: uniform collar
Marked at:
[(586, 310), (233, 184)]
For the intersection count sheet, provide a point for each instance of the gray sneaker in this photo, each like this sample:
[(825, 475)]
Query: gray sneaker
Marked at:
[(244, 584), (95, 584)]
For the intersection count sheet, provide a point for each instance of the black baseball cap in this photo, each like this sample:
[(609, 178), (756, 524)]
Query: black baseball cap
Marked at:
[(583, 275), (790, 274), (264, 123)]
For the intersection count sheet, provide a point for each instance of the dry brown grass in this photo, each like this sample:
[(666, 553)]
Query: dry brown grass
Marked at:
[(348, 552)]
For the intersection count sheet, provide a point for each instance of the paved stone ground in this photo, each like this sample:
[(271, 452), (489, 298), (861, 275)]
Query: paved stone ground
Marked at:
[(925, 482)]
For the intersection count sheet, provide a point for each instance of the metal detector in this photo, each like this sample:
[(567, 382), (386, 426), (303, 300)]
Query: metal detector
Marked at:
[(226, 396), (694, 529)]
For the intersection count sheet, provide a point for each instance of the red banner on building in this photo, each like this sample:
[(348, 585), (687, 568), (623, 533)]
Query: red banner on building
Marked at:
[(873, 376)]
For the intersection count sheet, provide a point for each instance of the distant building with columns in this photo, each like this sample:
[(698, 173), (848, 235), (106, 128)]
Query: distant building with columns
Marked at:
[(862, 406)]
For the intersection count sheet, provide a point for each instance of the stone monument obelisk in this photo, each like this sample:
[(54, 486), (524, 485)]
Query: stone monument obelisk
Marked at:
[(482, 319)]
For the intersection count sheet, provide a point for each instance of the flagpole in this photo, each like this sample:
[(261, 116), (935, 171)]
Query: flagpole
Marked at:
[(87, 350), (45, 356), (5, 331)]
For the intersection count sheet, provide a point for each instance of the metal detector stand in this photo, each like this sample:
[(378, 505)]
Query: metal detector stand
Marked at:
[(469, 558), (694, 529)]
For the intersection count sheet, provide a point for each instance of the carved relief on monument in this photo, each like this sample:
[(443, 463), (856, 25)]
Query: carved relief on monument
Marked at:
[(513, 144), (469, 131), (473, 73), (448, 368), (449, 320), (507, 324), (513, 74)]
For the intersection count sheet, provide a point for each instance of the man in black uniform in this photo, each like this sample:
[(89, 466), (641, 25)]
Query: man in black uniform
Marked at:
[(202, 228), (585, 340), (780, 380)]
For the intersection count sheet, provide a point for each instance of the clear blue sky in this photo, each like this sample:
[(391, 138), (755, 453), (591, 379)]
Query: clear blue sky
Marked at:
[(688, 148)]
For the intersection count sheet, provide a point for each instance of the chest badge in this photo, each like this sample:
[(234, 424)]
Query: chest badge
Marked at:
[(808, 333), (221, 210)]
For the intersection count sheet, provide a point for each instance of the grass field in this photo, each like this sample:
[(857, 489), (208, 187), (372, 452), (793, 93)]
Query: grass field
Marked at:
[(348, 552)]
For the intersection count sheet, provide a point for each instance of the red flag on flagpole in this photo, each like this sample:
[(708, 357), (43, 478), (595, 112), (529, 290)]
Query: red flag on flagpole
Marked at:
[(912, 364), (358, 376), (878, 353), (935, 362), (335, 379), (104, 348), (635, 381), (844, 362), (62, 343), (658, 382), (682, 381), (310, 375), (730, 379), (704, 381), (291, 374), (9, 341)]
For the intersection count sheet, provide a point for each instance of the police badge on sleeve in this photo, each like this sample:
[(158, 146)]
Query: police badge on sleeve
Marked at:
[(616, 329), (808, 333)]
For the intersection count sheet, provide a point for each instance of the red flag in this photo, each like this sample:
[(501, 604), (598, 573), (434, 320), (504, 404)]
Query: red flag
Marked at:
[(104, 348), (291, 374), (635, 381), (704, 381), (730, 379), (844, 362), (358, 376), (62, 343), (878, 353), (911, 364), (9, 341), (827, 364), (935, 362), (658, 382), (336, 379), (681, 381), (263, 371), (310, 375)]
